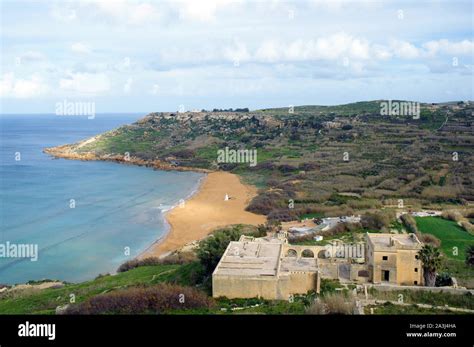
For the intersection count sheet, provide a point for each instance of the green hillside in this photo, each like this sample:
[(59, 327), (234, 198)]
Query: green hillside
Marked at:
[(312, 154)]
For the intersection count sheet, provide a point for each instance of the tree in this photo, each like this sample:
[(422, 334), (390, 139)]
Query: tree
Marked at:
[(212, 248), (431, 260), (375, 221), (470, 255)]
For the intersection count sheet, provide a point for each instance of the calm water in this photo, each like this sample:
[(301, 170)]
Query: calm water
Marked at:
[(116, 206)]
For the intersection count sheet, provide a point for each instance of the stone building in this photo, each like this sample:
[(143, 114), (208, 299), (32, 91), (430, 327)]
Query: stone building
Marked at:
[(273, 269), (261, 268), (393, 258)]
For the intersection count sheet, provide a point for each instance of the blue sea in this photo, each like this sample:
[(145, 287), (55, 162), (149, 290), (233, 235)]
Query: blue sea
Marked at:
[(84, 216)]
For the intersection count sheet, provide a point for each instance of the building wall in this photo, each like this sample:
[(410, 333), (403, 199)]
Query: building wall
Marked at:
[(379, 265), (354, 274), (400, 262), (406, 265), (302, 282), (247, 287), (271, 287)]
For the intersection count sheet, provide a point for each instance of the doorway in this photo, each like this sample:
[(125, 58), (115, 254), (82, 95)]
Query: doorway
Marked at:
[(385, 275)]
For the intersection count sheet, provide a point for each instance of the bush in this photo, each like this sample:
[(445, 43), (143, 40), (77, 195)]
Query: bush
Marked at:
[(175, 258), (161, 298), (429, 239), (341, 228), (268, 201), (375, 221), (409, 223), (285, 168), (467, 226), (452, 215), (336, 303), (134, 263), (212, 248), (443, 279)]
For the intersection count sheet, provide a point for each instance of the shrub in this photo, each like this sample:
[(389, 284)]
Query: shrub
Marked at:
[(429, 239), (469, 213), (341, 228), (285, 168), (452, 215), (308, 166), (375, 221), (409, 223), (470, 255), (467, 226), (161, 298), (212, 248), (336, 303), (175, 258), (443, 279), (268, 201), (134, 263)]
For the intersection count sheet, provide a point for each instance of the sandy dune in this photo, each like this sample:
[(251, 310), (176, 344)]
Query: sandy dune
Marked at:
[(207, 210)]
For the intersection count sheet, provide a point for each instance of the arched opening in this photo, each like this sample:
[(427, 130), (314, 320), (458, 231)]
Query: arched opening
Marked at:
[(292, 253), (307, 253), (322, 254)]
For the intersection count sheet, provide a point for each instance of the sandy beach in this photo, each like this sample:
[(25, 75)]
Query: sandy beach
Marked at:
[(207, 210)]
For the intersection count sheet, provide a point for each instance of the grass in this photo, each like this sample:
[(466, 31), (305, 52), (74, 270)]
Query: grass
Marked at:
[(391, 309), (45, 301), (426, 297), (312, 215), (450, 234), (259, 306)]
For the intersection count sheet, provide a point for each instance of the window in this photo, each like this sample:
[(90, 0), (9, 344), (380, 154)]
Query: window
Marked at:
[(417, 257), (385, 257), (416, 269)]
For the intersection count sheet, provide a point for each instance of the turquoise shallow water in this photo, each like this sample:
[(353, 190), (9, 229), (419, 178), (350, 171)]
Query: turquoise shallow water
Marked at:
[(117, 207)]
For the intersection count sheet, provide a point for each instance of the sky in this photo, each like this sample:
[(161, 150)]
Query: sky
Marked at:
[(146, 56)]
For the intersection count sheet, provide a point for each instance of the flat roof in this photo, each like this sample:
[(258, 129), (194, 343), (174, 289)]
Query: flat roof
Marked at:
[(291, 264), (385, 240), (247, 258)]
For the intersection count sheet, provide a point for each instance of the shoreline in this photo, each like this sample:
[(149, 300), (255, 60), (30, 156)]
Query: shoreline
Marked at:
[(204, 208), (204, 211), (64, 152), (163, 237)]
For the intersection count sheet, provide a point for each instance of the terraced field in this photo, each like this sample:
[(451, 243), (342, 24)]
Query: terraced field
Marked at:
[(314, 154)]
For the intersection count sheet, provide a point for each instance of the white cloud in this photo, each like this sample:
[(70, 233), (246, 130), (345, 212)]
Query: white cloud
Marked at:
[(202, 10), (269, 51), (80, 47), (128, 86), (404, 49), (452, 48), (63, 14), (22, 88), (126, 11), (32, 56), (331, 47), (86, 83), (237, 53), (381, 52), (155, 89)]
